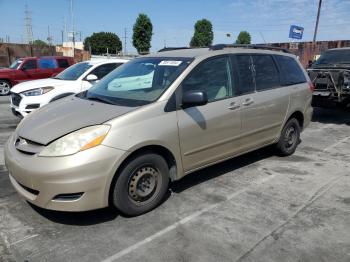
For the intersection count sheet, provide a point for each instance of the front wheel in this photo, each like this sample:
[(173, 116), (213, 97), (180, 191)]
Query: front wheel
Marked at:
[(289, 139), (5, 87), (141, 184)]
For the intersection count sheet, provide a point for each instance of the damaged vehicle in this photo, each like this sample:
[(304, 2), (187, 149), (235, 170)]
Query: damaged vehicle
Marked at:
[(330, 75)]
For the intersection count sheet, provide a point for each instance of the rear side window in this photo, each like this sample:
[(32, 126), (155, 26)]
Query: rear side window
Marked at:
[(243, 69), (62, 63), (291, 73), (103, 70), (265, 72), (47, 63), (212, 76)]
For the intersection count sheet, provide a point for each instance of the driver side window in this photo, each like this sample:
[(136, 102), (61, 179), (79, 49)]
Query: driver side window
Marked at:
[(29, 64), (213, 77)]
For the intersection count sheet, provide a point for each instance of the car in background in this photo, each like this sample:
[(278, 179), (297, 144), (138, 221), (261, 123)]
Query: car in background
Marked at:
[(330, 75), (31, 95), (31, 68)]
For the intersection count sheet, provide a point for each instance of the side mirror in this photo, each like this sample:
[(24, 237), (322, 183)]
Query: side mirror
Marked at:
[(91, 78), (23, 68), (194, 98)]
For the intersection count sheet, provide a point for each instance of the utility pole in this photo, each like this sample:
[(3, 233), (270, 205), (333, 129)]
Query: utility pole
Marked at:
[(28, 25), (49, 37), (125, 37), (72, 21), (317, 19)]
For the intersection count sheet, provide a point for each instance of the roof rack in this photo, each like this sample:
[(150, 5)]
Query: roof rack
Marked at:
[(264, 47), (173, 48)]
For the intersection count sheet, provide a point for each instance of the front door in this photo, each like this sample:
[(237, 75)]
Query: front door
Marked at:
[(207, 132), (29, 71)]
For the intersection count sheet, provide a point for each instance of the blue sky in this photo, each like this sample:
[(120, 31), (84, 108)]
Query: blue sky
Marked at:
[(173, 20)]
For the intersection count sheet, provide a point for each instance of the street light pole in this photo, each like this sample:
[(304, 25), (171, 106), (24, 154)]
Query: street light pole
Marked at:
[(317, 19)]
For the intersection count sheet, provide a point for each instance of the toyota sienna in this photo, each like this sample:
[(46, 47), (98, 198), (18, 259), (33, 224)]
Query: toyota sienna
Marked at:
[(156, 119)]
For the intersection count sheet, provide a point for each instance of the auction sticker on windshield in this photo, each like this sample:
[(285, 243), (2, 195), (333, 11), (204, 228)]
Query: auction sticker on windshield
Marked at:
[(170, 63)]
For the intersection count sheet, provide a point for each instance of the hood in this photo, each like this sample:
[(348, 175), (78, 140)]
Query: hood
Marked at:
[(331, 66), (24, 86), (65, 116)]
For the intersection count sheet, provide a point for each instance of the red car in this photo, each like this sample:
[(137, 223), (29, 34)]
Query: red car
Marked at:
[(31, 68)]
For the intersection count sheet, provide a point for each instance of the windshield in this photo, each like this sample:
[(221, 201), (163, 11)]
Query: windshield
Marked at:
[(334, 57), (16, 64), (138, 82), (73, 72)]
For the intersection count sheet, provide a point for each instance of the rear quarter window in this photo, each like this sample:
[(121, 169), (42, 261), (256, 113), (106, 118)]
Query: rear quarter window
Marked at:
[(290, 71), (62, 63)]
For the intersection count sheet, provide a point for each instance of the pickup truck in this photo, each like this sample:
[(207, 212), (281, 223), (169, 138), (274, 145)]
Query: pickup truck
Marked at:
[(330, 75), (31, 68)]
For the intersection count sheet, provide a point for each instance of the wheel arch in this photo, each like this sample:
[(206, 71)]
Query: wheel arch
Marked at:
[(299, 116), (154, 148)]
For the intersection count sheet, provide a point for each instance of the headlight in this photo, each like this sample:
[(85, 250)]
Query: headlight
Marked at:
[(37, 91), (77, 141)]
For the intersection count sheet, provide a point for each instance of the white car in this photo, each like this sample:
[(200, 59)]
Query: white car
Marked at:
[(31, 95)]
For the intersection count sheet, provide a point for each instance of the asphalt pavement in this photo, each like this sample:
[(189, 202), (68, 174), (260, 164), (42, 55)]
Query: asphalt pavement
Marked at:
[(257, 207)]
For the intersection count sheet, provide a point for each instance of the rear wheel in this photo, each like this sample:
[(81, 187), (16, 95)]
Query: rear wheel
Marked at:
[(141, 184), (290, 137), (5, 87)]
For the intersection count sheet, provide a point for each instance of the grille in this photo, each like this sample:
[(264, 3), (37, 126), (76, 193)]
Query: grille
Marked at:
[(30, 190), (68, 197), (16, 99)]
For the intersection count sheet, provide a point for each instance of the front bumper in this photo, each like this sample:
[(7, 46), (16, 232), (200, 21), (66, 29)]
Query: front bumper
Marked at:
[(26, 105), (41, 179)]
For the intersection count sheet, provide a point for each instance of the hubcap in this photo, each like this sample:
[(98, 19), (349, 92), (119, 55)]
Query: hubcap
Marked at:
[(4, 88), (143, 183), (290, 137)]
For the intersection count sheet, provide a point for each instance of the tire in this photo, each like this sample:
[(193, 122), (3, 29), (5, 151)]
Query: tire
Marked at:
[(290, 137), (5, 87), (141, 184)]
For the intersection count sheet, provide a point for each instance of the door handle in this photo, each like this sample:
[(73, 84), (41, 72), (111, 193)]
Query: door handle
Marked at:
[(248, 102), (233, 106)]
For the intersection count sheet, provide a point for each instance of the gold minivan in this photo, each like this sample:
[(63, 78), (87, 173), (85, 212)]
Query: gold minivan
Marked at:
[(154, 120)]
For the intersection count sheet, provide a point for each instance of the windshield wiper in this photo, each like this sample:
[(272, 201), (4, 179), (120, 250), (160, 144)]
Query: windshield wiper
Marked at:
[(99, 99)]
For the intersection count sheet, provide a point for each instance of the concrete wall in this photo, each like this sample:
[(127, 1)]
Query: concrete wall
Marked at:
[(308, 50), (10, 52)]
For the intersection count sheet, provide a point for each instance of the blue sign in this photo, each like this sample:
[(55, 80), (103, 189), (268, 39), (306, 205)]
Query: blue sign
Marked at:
[(296, 32)]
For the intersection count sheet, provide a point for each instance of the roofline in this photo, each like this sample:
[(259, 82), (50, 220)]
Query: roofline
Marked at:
[(46, 56), (223, 46)]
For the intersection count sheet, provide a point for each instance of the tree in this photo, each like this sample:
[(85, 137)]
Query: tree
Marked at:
[(203, 34), (99, 42), (243, 38), (39, 43), (142, 34)]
